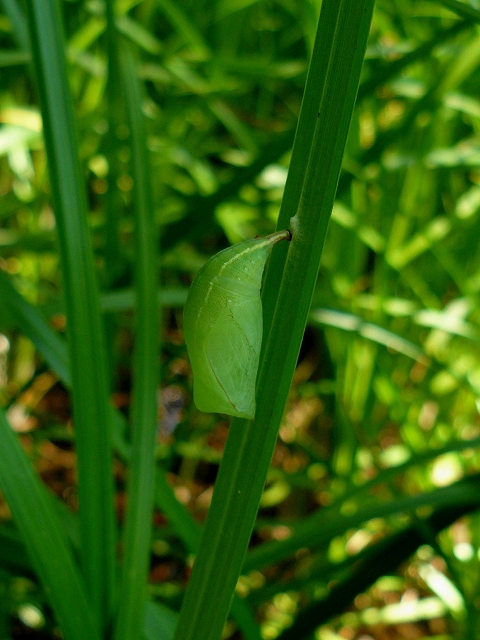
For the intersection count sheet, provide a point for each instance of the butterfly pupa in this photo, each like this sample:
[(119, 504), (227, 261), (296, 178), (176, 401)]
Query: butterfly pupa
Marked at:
[(223, 326)]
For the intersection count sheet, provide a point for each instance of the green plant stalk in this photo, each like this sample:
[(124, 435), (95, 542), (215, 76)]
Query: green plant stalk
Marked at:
[(44, 536), (92, 411), (298, 164), (340, 46), (141, 483)]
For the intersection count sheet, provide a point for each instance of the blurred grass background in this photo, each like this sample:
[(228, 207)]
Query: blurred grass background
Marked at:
[(368, 526)]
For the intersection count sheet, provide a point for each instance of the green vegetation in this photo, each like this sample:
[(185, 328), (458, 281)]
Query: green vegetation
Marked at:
[(138, 138)]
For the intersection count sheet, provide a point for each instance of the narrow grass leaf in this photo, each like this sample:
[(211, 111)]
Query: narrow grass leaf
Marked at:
[(43, 535), (141, 482), (461, 8), (159, 622), (370, 331), (17, 18), (113, 201), (90, 388), (185, 27), (35, 327)]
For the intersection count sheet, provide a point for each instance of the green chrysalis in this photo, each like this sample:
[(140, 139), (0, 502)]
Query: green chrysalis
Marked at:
[(222, 323)]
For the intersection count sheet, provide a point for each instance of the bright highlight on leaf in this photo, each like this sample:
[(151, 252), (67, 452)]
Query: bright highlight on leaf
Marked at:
[(223, 324)]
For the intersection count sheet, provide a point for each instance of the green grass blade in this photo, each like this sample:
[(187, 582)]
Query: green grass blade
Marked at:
[(137, 535), (90, 389), (122, 299), (340, 46), (43, 535), (159, 622), (370, 331), (113, 261), (461, 8), (13, 555), (298, 165), (19, 24), (35, 327), (181, 519), (185, 27)]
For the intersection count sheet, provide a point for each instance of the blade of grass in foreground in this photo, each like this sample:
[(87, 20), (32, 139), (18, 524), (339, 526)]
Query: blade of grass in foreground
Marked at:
[(43, 535), (90, 391), (141, 482), (337, 57)]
